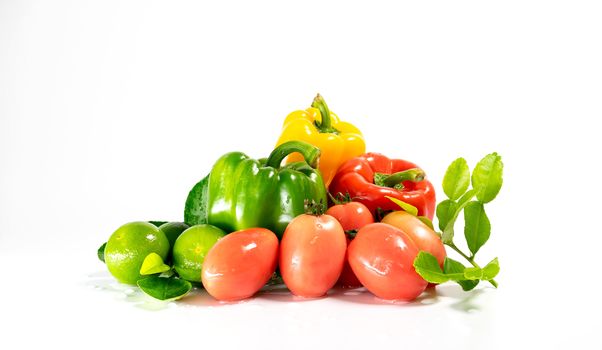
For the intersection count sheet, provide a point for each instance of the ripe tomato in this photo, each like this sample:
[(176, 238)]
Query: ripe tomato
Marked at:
[(240, 263), (352, 216), (425, 238), (382, 258), (312, 252)]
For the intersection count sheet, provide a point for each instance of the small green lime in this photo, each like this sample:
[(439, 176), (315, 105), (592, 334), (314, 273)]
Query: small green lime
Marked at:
[(191, 247), (128, 247), (173, 230)]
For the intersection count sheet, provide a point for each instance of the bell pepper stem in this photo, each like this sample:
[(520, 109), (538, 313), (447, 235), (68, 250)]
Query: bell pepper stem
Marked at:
[(414, 175), (310, 153), (325, 125)]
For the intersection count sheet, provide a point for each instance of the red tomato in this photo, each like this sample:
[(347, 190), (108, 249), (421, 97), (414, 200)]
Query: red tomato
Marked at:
[(348, 279), (382, 258), (352, 216), (425, 238), (312, 252), (240, 263)]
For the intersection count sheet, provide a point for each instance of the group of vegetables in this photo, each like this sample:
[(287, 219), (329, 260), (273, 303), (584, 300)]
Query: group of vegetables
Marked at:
[(317, 212)]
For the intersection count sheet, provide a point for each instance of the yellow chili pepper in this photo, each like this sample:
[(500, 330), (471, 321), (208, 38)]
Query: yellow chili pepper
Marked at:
[(338, 141)]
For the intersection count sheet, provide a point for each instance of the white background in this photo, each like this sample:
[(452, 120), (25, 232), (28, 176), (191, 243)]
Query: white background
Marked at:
[(111, 110)]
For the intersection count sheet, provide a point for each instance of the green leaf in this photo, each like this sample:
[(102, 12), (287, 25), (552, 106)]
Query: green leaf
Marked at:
[(427, 267), (157, 223), (466, 197), (447, 236), (164, 288), (427, 222), (405, 206), (195, 210), (487, 177), (152, 264), (473, 273), (476, 226), (445, 212), (456, 179), (101, 252), (491, 270), (451, 266)]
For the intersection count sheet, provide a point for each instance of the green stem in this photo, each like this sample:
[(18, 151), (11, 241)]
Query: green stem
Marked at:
[(414, 175), (385, 180), (325, 125), (448, 233), (334, 199), (340, 198), (469, 259), (315, 208), (308, 151)]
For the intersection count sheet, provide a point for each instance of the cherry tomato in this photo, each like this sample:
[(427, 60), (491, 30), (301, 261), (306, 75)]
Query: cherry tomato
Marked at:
[(425, 238), (312, 253), (382, 257), (352, 216), (240, 263)]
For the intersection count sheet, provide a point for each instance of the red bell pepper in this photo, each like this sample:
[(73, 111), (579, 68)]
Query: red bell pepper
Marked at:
[(372, 176)]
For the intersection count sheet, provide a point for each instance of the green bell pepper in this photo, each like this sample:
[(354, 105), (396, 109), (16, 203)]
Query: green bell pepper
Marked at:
[(241, 192)]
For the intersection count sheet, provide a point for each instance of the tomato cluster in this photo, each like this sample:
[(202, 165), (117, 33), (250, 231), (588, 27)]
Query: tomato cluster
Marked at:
[(317, 251)]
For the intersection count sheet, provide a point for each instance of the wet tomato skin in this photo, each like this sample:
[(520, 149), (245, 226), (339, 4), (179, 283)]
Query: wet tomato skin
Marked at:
[(240, 263), (312, 253), (382, 258), (425, 238), (351, 216)]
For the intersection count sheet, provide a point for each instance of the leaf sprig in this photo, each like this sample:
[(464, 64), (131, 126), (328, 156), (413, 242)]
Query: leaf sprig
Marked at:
[(486, 183)]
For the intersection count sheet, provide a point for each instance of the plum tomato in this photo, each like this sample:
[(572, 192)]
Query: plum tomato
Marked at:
[(351, 216), (425, 238), (382, 258), (239, 264), (312, 253)]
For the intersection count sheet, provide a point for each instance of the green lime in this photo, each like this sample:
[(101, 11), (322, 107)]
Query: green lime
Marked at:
[(128, 247), (173, 230), (190, 250)]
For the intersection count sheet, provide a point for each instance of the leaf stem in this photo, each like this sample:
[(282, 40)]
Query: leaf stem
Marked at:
[(469, 259), (448, 233)]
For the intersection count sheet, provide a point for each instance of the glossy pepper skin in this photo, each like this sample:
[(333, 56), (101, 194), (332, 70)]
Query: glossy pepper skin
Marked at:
[(338, 141), (241, 192), (372, 176)]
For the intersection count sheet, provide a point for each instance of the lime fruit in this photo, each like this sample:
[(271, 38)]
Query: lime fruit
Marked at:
[(190, 249), (173, 230), (128, 247)]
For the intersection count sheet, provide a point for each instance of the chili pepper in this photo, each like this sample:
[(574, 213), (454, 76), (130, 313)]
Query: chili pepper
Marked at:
[(241, 192), (338, 141), (372, 176)]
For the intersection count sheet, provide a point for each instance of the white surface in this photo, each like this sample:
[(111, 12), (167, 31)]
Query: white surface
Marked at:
[(110, 111)]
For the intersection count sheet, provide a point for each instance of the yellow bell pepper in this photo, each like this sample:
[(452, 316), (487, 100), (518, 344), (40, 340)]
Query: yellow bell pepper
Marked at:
[(338, 141)]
